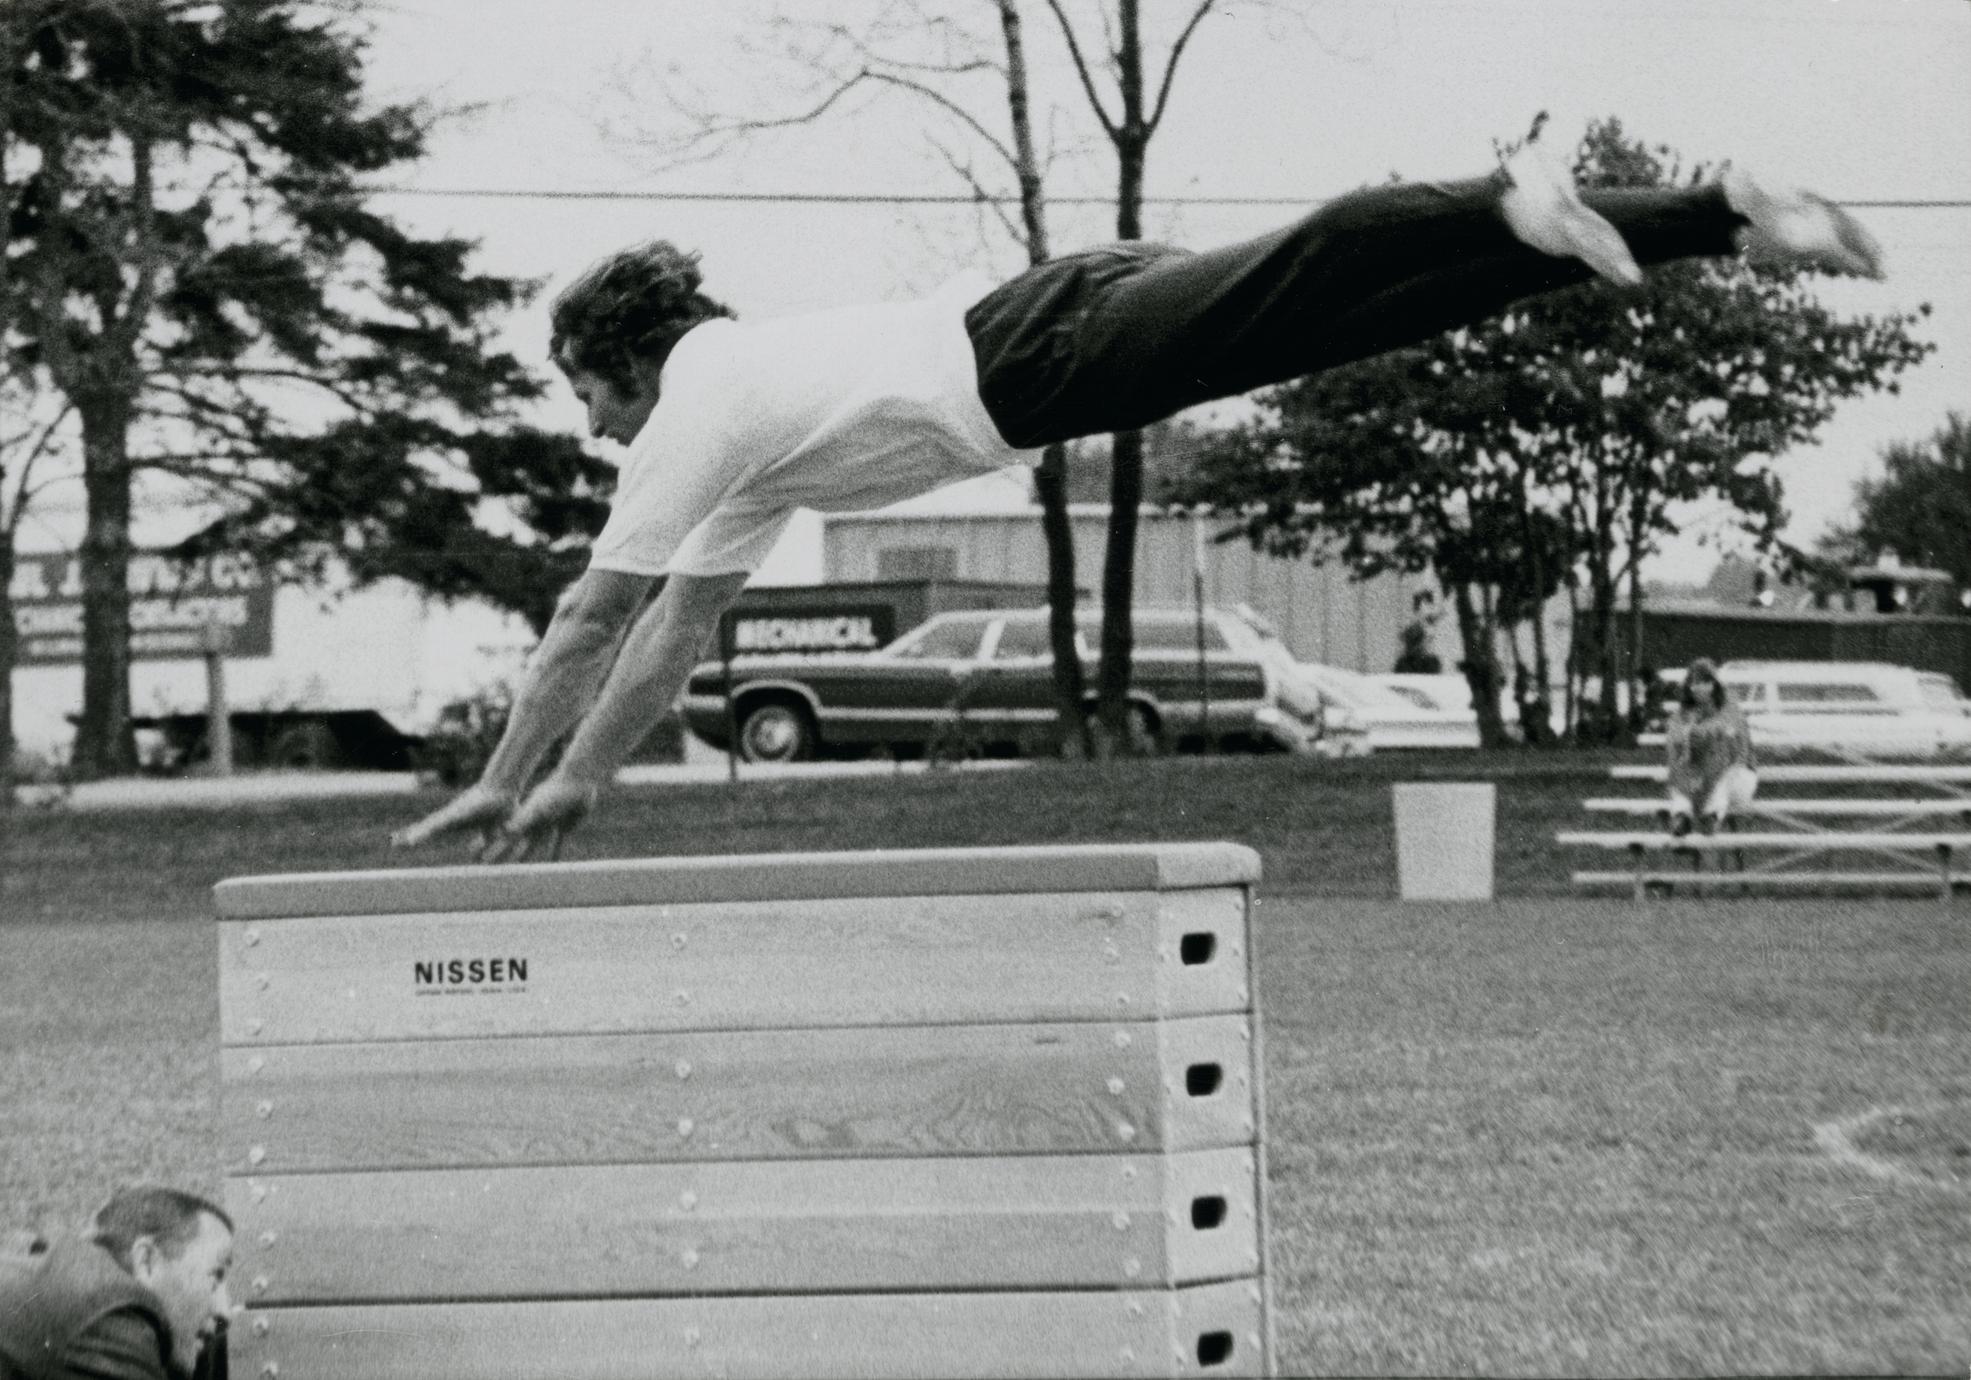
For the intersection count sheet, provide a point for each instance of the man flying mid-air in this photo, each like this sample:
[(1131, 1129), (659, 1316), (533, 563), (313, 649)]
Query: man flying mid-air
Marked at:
[(732, 427)]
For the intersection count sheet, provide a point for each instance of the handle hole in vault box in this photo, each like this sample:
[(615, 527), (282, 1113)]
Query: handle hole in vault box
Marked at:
[(1195, 949)]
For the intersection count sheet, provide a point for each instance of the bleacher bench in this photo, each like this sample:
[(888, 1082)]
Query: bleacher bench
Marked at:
[(1943, 850)]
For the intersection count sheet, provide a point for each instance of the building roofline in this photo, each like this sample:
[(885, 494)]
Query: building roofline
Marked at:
[(1031, 510)]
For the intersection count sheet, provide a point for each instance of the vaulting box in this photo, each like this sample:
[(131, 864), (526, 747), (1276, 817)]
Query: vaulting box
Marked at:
[(927, 1113)]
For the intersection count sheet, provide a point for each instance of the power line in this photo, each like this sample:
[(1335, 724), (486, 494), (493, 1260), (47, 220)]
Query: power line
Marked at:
[(962, 199)]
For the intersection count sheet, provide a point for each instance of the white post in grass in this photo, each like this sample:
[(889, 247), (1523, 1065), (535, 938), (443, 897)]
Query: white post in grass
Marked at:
[(1444, 839)]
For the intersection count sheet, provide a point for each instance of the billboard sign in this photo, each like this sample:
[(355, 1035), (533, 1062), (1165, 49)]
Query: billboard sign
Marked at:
[(171, 604)]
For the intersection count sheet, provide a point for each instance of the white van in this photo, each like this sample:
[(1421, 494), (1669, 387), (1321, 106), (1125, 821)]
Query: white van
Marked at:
[(1865, 708), (1387, 712)]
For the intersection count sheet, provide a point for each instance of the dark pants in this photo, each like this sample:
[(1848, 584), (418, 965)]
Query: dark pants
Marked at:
[(1116, 338)]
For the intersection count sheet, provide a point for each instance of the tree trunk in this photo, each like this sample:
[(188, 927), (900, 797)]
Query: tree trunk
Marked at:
[(10, 645), (1543, 670), (1050, 480), (1632, 644), (1601, 610), (105, 744), (1540, 732), (1118, 588), (1050, 483), (1126, 448), (1574, 636), (1481, 666)]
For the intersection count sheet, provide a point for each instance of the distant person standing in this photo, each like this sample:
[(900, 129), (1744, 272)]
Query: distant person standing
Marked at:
[(1712, 770), (1417, 657), (137, 1299)]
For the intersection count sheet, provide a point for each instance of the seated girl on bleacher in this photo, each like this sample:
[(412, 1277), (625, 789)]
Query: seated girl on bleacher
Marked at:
[(1712, 771)]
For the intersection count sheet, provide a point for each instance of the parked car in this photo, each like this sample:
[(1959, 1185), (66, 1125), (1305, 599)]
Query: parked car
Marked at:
[(1448, 692), (1390, 716), (984, 679), (1864, 708)]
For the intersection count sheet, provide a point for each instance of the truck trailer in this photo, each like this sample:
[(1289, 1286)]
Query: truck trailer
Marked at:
[(313, 676)]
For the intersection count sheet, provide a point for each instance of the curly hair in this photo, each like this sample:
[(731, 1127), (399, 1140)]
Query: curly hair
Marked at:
[(632, 305)]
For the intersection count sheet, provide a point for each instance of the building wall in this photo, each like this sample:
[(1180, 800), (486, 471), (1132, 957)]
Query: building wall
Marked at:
[(1672, 637), (1323, 615)]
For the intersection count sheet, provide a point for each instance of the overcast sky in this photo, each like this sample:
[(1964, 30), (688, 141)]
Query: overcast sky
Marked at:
[(1864, 100)]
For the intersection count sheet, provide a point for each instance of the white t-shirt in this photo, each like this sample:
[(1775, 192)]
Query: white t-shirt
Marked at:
[(838, 411)]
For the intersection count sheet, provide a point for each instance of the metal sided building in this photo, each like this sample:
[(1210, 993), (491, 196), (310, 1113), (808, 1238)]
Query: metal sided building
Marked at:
[(1321, 612)]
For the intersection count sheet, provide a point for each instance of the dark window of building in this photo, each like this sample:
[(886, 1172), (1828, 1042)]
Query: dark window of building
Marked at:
[(916, 562)]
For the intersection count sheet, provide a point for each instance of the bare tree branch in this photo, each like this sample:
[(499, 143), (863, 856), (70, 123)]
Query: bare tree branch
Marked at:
[(983, 195), (869, 53), (1176, 54), (24, 488), (1081, 70), (715, 134), (957, 111)]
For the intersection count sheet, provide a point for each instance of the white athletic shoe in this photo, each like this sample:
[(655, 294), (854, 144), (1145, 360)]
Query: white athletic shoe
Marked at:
[(1794, 228), (1543, 208)]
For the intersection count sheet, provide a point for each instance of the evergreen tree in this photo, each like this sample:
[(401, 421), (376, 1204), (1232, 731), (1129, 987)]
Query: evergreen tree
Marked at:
[(195, 267)]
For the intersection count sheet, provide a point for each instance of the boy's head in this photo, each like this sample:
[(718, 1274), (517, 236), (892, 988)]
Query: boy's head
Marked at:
[(628, 309)]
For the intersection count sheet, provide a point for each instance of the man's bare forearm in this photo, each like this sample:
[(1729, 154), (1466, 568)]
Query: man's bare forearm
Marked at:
[(649, 670), (574, 657)]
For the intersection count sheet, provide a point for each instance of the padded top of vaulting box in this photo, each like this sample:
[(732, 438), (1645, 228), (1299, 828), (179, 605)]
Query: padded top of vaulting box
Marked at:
[(756, 877)]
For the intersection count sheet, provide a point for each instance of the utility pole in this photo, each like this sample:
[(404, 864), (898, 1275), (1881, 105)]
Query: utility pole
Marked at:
[(215, 640)]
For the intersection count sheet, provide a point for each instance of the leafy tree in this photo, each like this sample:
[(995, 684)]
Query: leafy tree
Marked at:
[(1398, 468), (329, 505), (1571, 429), (1919, 507), (195, 269)]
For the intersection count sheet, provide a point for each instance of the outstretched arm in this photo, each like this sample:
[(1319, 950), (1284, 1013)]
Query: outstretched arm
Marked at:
[(651, 668), (573, 658), (588, 631)]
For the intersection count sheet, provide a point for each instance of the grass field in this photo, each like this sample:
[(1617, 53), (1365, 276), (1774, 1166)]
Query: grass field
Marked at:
[(1543, 1137)]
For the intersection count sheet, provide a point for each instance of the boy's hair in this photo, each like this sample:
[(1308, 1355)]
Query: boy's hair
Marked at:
[(169, 1216), (634, 304)]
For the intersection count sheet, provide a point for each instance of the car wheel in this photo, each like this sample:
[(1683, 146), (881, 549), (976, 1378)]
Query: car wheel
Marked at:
[(776, 732)]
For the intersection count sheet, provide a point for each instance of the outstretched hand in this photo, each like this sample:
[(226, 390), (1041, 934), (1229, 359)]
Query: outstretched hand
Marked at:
[(480, 810), (549, 812)]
